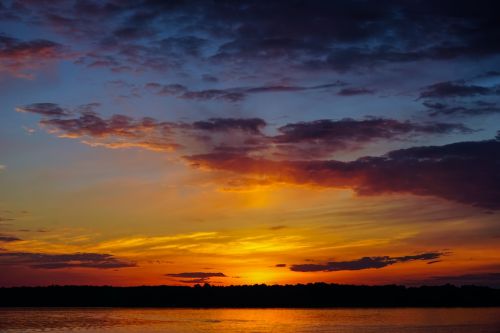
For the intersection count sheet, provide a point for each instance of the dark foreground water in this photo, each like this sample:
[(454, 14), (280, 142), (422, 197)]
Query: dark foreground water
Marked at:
[(455, 320)]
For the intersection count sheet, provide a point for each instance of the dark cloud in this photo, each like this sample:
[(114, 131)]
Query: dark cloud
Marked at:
[(218, 94), (456, 98), (352, 58), (94, 125), (20, 58), (457, 89), (250, 125), (489, 74), (433, 262), (335, 25), (8, 239), (185, 45), (360, 130), (44, 109), (14, 48), (57, 261), (133, 33), (486, 279), (427, 171), (209, 78), (313, 139), (280, 265), (166, 89), (292, 88), (229, 94), (363, 263), (338, 35), (465, 109), (191, 281), (355, 91), (321, 137), (118, 131), (195, 277), (278, 227)]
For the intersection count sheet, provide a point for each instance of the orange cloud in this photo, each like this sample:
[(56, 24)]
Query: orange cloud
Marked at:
[(436, 171)]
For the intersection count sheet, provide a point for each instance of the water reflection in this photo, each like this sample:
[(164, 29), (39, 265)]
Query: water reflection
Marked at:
[(456, 320)]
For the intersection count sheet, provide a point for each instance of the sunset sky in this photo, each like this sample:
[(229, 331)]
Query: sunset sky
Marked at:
[(241, 142)]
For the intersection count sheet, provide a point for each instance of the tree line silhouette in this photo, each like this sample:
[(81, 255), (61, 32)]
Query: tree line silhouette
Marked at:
[(300, 295)]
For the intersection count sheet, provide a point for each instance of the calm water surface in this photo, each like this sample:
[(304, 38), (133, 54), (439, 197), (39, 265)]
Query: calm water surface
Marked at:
[(485, 320)]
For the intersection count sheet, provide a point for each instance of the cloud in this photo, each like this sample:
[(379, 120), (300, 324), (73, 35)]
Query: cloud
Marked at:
[(117, 131), (44, 109), (209, 78), (319, 138), (166, 89), (8, 239), (295, 140), (355, 91), (426, 171), (121, 131), (230, 94), (359, 130), (457, 89), (191, 281), (477, 109), (184, 45), (210, 94), (195, 277), (250, 125), (341, 36), (280, 265), (347, 36), (314, 139), (58, 261), (363, 263), (20, 58), (278, 227), (486, 279), (489, 74)]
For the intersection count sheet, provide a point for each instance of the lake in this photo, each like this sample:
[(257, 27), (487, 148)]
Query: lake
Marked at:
[(113, 320)]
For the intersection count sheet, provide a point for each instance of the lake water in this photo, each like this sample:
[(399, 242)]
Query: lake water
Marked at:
[(453, 320)]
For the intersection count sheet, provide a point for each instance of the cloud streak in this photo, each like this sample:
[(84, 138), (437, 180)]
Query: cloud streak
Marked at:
[(8, 239), (195, 277), (457, 89), (486, 279), (364, 263), (60, 261), (230, 94)]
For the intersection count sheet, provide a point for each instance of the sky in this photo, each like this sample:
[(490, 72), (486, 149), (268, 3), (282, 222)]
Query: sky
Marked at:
[(241, 142)]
